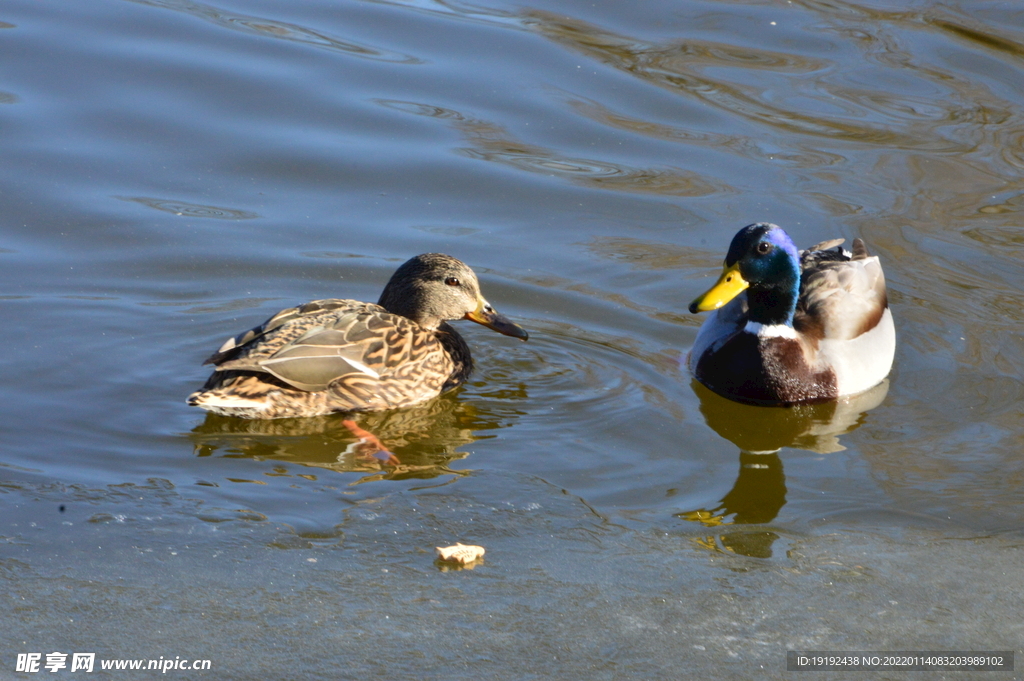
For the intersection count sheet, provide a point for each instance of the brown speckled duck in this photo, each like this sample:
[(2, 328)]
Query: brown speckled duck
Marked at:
[(347, 356), (791, 326)]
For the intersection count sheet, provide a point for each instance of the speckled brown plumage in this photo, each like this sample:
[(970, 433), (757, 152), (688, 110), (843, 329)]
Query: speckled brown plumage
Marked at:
[(347, 356)]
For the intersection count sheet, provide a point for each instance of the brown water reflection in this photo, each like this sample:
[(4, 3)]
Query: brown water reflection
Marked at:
[(759, 492), (425, 440), (814, 427)]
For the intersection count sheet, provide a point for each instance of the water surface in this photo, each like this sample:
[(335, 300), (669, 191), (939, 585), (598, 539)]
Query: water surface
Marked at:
[(175, 172)]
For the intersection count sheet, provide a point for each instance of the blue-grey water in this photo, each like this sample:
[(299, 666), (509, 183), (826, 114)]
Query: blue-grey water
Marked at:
[(174, 172)]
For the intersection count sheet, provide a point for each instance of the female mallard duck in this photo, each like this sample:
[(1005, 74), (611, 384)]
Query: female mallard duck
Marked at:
[(812, 326), (346, 356)]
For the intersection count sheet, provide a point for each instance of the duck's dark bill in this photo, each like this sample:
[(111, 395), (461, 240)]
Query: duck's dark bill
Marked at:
[(498, 322), (728, 286)]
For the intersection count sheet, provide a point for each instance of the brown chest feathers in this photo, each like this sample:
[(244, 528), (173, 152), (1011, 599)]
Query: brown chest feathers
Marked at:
[(769, 371)]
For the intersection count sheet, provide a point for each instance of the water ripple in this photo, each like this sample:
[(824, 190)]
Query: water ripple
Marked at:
[(600, 378), (491, 142), (192, 210), (984, 37), (280, 30), (460, 10), (680, 67), (798, 155)]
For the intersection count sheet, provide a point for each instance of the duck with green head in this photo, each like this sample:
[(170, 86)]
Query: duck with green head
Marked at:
[(790, 326)]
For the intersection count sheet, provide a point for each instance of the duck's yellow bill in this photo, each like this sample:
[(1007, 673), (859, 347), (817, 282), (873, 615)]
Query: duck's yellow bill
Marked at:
[(728, 286)]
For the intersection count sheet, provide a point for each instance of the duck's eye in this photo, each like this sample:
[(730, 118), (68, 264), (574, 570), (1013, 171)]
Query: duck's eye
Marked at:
[(452, 281), (763, 247)]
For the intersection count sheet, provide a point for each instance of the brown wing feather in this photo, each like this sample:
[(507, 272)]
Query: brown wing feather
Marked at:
[(841, 299), (349, 355), (235, 345), (825, 245)]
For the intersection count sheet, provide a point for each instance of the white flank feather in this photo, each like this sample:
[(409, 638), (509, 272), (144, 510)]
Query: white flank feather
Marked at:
[(862, 362)]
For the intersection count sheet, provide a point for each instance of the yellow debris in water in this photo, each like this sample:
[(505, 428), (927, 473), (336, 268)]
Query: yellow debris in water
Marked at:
[(460, 553)]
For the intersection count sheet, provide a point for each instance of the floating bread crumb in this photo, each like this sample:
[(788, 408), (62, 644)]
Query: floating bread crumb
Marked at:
[(460, 553)]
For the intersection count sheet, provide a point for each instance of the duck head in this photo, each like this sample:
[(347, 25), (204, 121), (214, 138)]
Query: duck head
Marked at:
[(762, 261), (432, 288)]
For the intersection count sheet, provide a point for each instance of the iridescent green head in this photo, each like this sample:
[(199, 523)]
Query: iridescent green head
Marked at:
[(762, 261)]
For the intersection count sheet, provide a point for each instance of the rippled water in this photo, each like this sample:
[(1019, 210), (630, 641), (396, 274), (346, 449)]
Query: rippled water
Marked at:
[(175, 172)]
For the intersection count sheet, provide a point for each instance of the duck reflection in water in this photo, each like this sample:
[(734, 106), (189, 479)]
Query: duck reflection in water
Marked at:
[(759, 492), (417, 442)]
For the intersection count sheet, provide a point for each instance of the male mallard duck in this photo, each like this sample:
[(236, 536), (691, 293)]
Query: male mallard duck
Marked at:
[(346, 356), (812, 325)]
